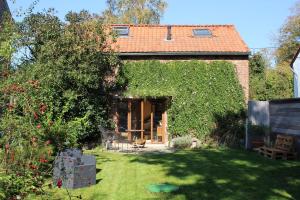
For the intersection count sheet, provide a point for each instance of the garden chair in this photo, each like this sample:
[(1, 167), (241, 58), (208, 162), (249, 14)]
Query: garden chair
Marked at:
[(138, 143), (284, 149), (107, 137)]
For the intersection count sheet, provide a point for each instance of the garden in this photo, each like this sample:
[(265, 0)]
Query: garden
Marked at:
[(56, 81), (206, 173)]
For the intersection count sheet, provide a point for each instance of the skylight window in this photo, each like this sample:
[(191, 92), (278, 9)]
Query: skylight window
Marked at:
[(202, 32), (121, 30)]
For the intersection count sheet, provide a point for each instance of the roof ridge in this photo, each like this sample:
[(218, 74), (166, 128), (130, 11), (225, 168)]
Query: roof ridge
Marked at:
[(175, 25)]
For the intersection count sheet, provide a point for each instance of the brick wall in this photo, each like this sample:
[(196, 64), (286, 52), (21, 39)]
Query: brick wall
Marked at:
[(241, 63), (242, 69)]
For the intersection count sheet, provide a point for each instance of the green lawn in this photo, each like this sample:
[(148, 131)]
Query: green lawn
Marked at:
[(201, 174)]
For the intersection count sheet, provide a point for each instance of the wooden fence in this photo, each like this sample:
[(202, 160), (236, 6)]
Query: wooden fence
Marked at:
[(285, 118), (258, 113)]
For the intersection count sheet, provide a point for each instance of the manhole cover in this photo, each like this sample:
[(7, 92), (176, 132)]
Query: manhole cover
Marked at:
[(162, 188)]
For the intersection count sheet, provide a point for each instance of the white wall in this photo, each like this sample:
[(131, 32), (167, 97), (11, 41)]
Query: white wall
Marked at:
[(296, 68)]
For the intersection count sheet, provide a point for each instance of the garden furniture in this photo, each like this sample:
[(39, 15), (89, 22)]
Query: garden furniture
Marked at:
[(284, 149)]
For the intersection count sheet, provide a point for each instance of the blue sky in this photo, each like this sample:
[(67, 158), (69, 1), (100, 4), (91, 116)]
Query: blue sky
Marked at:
[(258, 21)]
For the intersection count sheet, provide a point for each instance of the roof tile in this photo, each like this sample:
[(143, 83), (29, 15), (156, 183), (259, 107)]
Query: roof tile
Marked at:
[(152, 38)]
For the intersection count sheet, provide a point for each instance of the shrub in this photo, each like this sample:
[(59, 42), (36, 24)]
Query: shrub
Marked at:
[(54, 94), (182, 142), (205, 96)]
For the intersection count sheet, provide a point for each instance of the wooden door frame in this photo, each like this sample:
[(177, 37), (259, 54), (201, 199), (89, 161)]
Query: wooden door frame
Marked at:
[(142, 104)]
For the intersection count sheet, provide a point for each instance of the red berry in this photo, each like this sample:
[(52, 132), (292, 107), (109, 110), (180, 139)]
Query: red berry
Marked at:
[(33, 166), (59, 183), (38, 126)]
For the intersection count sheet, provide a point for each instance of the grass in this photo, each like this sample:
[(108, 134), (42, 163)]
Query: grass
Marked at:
[(201, 174)]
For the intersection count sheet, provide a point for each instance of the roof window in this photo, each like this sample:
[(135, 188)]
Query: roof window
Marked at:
[(202, 32), (121, 30)]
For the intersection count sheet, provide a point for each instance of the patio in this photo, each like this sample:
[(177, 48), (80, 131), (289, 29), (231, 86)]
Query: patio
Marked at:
[(148, 148)]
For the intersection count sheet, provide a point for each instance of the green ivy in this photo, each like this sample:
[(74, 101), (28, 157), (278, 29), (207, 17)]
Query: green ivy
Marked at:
[(204, 95)]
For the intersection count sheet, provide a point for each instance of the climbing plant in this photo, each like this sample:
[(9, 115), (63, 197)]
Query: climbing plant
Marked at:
[(207, 99)]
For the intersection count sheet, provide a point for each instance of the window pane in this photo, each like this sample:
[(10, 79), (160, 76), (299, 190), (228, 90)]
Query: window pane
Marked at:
[(122, 30), (202, 32), (122, 119)]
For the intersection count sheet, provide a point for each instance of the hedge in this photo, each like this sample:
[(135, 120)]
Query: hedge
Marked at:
[(205, 96)]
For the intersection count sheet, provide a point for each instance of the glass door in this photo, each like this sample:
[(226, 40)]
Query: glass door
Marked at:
[(136, 119), (157, 121)]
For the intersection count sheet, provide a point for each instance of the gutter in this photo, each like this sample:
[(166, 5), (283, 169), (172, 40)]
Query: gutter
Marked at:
[(184, 53)]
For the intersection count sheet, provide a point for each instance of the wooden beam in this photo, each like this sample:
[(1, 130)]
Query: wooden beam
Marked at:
[(129, 120), (164, 126), (142, 119), (151, 118)]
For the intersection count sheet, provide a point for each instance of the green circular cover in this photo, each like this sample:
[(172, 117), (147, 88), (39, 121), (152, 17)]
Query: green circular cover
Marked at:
[(162, 188)]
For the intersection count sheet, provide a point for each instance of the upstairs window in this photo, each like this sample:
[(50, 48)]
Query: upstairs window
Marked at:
[(202, 33), (121, 31)]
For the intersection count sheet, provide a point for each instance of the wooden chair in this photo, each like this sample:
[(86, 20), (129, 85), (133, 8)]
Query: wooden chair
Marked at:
[(284, 149), (139, 143), (159, 132)]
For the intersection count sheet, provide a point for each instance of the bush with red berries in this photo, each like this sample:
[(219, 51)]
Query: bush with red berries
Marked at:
[(54, 97)]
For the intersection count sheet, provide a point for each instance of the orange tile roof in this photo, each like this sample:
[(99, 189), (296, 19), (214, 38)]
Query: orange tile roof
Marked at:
[(152, 39)]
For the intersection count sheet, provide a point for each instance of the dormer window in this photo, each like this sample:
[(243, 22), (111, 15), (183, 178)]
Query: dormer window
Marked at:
[(202, 33), (121, 31)]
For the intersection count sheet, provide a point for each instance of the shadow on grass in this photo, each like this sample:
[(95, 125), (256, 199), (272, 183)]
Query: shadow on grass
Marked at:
[(98, 180), (230, 174)]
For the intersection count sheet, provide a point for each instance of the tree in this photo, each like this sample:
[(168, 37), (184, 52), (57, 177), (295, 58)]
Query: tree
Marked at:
[(134, 11), (289, 36), (55, 96), (8, 43), (279, 82), (258, 67), (267, 82)]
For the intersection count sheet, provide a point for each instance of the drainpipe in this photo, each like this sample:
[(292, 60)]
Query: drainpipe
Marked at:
[(295, 77)]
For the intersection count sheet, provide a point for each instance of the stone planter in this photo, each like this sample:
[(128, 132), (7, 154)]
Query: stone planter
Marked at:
[(74, 169)]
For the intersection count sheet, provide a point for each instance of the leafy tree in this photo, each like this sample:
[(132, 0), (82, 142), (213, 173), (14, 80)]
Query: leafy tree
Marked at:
[(289, 36), (267, 82), (55, 96), (279, 82), (258, 67), (134, 11), (8, 43)]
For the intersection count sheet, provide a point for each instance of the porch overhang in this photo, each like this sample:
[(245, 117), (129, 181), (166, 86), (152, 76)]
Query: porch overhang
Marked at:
[(121, 97)]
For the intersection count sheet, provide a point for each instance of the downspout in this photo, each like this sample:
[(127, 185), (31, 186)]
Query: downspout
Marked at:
[(295, 77)]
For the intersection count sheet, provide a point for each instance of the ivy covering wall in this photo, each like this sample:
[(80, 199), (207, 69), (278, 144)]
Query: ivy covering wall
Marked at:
[(207, 99)]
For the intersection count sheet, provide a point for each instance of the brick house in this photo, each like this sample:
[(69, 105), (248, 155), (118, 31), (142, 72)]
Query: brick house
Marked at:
[(147, 118)]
